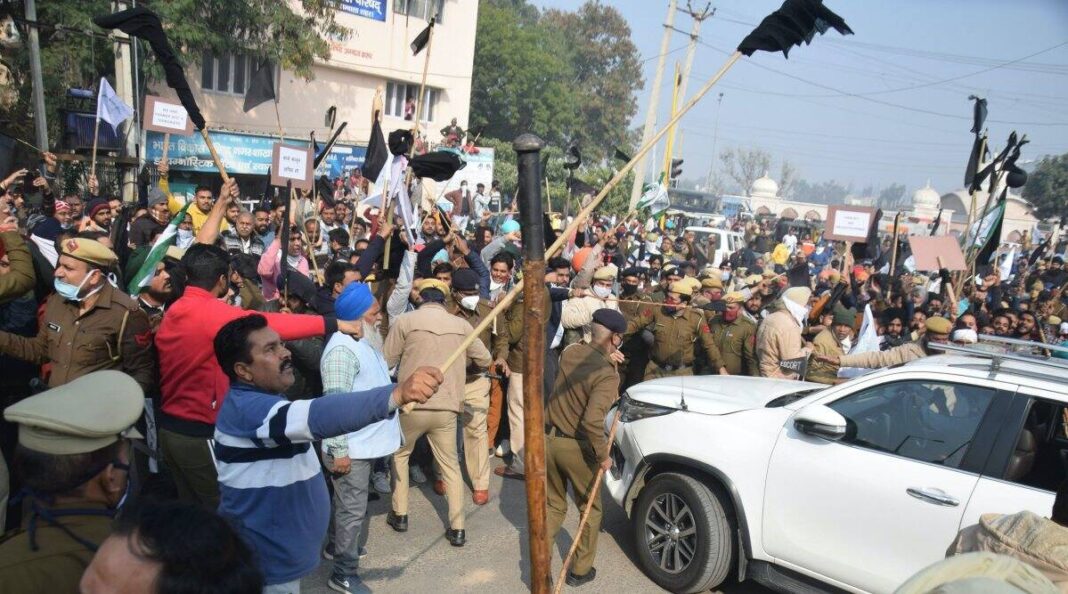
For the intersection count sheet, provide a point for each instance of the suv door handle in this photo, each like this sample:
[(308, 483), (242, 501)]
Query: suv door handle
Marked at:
[(935, 496)]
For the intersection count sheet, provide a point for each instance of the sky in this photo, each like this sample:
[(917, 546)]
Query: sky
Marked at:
[(888, 104)]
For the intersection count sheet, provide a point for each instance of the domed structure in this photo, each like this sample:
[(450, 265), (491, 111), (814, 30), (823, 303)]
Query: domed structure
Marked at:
[(764, 187), (926, 198)]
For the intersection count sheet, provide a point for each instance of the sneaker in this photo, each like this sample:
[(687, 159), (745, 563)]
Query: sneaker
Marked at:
[(347, 584), (362, 553), (502, 449), (380, 482), (416, 474), (328, 554)]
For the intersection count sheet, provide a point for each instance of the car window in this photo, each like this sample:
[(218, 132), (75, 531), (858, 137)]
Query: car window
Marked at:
[(929, 421), (1040, 453)]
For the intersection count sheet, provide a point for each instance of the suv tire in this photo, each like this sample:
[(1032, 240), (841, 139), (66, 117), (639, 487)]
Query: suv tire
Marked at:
[(679, 514)]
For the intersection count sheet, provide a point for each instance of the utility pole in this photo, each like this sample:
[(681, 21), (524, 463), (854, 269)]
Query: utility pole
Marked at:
[(124, 87), (654, 103), (691, 49), (40, 116), (715, 140)]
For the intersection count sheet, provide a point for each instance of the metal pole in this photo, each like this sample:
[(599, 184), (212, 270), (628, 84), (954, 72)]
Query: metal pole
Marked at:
[(528, 147), (654, 103), (40, 119)]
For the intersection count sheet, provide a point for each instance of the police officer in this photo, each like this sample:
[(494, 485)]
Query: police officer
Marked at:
[(635, 348), (575, 444), (735, 336), (74, 453), (676, 329), (88, 324)]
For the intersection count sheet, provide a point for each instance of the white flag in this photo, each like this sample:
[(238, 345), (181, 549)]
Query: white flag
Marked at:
[(1005, 270), (867, 342), (109, 107), (655, 198)]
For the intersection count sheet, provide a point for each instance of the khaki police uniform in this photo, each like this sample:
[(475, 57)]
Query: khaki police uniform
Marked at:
[(58, 539), (575, 444), (675, 336), (113, 334), (634, 347), (737, 345)]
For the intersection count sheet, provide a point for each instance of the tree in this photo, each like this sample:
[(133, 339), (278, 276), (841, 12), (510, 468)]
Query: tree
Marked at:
[(891, 195), (787, 179), (824, 192), (744, 166), (279, 31), (1047, 187), (607, 74)]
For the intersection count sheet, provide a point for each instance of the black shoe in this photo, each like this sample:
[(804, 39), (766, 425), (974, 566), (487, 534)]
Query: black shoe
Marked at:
[(373, 496), (397, 521), (577, 580), (456, 538)]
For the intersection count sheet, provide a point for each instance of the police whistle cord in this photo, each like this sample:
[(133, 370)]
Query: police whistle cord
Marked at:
[(590, 499)]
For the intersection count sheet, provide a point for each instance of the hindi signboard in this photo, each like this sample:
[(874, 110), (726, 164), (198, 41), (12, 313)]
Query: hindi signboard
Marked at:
[(848, 223), (292, 164), (166, 117), (368, 9)]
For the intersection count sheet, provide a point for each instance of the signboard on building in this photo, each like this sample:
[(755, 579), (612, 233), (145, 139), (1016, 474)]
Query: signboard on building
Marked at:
[(479, 170), (242, 154), (368, 9)]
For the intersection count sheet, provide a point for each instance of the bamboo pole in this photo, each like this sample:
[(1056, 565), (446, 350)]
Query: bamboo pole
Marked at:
[(166, 147), (96, 136), (588, 210), (214, 154)]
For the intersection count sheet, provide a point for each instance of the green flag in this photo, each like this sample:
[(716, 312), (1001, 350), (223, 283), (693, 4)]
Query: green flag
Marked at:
[(655, 198), (155, 255)]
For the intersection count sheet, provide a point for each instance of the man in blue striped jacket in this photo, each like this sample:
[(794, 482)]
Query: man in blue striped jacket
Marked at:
[(270, 480)]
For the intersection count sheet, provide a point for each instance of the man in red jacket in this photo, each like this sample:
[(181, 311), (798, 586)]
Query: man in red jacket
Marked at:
[(191, 382)]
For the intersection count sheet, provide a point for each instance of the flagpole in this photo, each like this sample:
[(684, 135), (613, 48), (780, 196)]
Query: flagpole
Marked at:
[(214, 154), (166, 147), (511, 295), (96, 135)]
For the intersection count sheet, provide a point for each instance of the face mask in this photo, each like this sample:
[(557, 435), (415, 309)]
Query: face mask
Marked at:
[(469, 302), (496, 286), (629, 289), (185, 238), (724, 276), (847, 344), (602, 292), (70, 292)]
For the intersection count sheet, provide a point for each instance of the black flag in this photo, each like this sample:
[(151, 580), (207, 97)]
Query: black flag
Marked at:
[(143, 23), (620, 155), (986, 253), (934, 227), (422, 39), (974, 159), (870, 249), (572, 157), (577, 187), (1015, 177), (438, 165), (795, 22), (260, 87), (1040, 250), (377, 153), (978, 113)]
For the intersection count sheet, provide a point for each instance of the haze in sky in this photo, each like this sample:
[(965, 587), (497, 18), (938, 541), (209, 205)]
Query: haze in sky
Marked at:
[(888, 104)]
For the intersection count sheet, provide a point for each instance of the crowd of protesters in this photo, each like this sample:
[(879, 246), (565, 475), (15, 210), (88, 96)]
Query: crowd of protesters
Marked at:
[(267, 366)]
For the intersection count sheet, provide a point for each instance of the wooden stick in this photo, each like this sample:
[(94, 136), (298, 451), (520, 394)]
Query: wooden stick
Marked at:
[(586, 212), (96, 135), (950, 292), (594, 492), (166, 147), (214, 154), (21, 141)]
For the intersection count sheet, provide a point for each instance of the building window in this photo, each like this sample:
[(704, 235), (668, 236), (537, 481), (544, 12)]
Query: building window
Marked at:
[(397, 95), (421, 9), (226, 73)]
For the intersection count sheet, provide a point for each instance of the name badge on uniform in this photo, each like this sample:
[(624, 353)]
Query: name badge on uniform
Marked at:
[(54, 327)]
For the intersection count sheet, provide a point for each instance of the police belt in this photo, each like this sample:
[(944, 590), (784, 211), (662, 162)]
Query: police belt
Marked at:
[(552, 431), (672, 367)]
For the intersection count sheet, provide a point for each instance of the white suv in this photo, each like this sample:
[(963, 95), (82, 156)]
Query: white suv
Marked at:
[(804, 487)]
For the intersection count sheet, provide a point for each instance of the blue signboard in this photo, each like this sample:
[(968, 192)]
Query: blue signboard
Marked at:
[(242, 154), (368, 9)]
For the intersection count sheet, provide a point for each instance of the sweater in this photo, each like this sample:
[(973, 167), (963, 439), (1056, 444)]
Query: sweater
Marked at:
[(270, 482), (191, 381)]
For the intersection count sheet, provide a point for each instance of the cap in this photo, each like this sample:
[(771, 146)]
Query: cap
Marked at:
[(939, 325), (632, 271), (156, 196), (752, 280), (1054, 320), (353, 302), (611, 319), (510, 226), (844, 316), (606, 272), (431, 283), (682, 288), (768, 274), (965, 335), (82, 416), (89, 251), (96, 206), (465, 279), (669, 269), (734, 297), (799, 295), (693, 283), (62, 206), (1059, 259), (712, 282)]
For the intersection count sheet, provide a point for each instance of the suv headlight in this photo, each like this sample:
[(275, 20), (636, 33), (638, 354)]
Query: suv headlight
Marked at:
[(635, 410)]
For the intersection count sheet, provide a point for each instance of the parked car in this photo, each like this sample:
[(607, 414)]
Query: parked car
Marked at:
[(854, 487), (727, 242)]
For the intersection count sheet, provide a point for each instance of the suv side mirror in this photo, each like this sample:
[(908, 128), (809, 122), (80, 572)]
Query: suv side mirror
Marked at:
[(820, 421)]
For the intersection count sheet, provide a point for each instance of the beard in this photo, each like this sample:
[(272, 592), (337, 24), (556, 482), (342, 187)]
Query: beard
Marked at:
[(372, 336)]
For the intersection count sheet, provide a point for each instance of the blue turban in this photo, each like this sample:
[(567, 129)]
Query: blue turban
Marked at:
[(510, 226), (353, 302)]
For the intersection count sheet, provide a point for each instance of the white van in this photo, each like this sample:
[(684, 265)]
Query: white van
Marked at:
[(727, 242)]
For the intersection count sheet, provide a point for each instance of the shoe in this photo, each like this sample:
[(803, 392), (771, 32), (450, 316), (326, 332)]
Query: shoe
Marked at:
[(362, 553), (456, 538), (507, 472), (380, 482), (348, 584), (579, 580), (439, 487), (328, 554), (397, 521), (480, 496), (416, 474), (502, 449)]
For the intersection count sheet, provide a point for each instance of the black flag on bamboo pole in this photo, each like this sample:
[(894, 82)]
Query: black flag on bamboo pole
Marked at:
[(260, 87), (421, 40), (796, 22)]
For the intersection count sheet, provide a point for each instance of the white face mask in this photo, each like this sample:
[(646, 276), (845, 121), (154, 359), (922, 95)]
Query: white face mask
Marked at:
[(469, 302), (725, 276), (847, 344), (185, 238), (602, 292), (495, 286)]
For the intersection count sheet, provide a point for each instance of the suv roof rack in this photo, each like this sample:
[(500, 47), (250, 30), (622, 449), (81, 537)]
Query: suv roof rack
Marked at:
[(1004, 351)]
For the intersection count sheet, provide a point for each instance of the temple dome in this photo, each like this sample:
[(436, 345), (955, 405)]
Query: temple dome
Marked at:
[(764, 187), (926, 197)]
